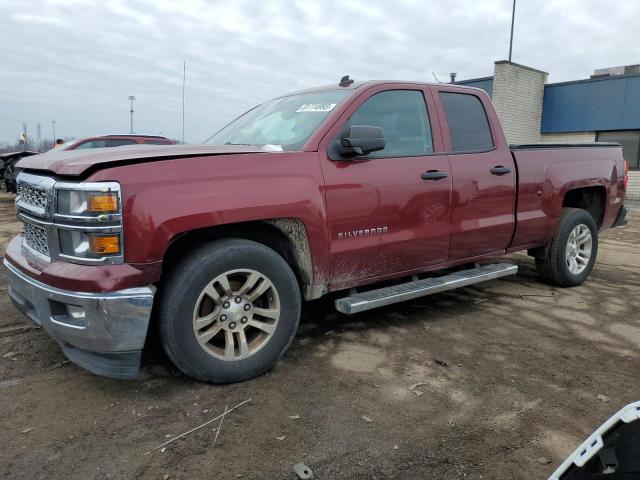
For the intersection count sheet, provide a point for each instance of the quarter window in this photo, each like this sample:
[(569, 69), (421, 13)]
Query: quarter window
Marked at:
[(468, 124), (402, 115)]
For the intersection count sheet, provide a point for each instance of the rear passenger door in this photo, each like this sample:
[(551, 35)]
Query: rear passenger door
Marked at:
[(386, 213), (483, 174)]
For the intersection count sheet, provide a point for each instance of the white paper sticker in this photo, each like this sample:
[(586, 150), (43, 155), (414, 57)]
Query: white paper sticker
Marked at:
[(316, 107)]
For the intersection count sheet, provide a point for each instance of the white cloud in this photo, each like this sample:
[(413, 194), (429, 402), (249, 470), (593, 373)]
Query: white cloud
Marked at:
[(77, 61)]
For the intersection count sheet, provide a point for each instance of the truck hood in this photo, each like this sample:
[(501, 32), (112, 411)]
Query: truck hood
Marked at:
[(77, 162)]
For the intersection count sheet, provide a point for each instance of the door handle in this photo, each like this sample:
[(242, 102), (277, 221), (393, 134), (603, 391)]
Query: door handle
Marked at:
[(500, 170), (434, 175)]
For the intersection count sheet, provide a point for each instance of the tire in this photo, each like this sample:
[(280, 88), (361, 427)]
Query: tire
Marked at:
[(558, 268), (188, 304)]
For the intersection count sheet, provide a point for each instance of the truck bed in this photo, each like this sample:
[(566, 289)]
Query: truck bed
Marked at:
[(547, 171)]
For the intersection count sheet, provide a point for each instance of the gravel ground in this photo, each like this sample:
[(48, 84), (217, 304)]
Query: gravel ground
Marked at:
[(511, 376)]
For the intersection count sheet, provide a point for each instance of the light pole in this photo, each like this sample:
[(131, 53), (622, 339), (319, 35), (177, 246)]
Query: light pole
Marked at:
[(184, 77), (131, 98), (513, 17), (53, 124)]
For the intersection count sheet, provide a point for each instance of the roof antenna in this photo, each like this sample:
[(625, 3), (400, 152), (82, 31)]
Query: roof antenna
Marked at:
[(434, 76), (345, 81)]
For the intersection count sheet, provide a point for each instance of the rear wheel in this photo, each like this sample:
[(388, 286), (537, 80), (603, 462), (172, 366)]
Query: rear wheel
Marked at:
[(573, 249), (229, 311)]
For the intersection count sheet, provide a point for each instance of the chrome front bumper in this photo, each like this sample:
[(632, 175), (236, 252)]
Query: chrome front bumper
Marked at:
[(102, 332)]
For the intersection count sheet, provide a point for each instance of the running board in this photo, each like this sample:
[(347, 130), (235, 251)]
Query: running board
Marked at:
[(360, 302)]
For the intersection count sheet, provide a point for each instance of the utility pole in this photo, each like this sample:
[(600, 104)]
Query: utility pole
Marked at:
[(39, 130), (184, 78), (131, 99), (53, 124), (513, 17)]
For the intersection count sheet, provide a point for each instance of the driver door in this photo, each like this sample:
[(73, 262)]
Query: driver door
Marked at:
[(388, 212)]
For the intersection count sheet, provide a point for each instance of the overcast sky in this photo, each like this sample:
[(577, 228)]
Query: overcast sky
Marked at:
[(76, 62)]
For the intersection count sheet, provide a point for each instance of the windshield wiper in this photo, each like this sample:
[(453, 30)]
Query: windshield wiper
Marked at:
[(242, 144)]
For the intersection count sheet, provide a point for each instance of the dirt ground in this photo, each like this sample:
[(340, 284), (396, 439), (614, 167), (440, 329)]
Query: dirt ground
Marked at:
[(513, 375)]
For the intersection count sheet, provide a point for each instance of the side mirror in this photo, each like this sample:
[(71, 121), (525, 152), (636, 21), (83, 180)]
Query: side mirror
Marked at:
[(362, 140)]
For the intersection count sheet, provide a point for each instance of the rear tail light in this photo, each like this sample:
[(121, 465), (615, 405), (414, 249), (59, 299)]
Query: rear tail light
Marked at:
[(626, 175)]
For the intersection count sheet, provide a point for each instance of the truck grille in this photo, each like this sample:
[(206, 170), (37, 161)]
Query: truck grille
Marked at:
[(36, 238), (32, 203), (31, 195)]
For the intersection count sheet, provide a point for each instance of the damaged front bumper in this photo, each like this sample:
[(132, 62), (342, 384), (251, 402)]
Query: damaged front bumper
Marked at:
[(101, 332)]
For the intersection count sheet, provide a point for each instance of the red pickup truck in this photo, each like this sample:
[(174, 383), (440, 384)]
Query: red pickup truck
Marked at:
[(330, 189)]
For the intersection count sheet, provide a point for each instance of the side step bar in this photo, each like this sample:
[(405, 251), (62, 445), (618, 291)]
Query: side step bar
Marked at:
[(361, 302)]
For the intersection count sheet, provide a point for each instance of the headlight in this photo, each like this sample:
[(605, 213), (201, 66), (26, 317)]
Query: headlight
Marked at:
[(87, 203), (88, 221)]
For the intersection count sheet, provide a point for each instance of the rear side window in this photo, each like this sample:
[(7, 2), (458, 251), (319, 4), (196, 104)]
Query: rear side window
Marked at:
[(402, 115), (468, 123), (118, 142), (91, 144)]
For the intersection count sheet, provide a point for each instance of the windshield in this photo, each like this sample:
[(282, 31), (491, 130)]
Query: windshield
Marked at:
[(285, 123)]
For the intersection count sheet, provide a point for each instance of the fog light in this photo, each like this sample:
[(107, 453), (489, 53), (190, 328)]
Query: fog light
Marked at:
[(77, 313)]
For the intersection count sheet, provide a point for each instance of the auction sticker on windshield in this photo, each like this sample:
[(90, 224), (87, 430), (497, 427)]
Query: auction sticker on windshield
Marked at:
[(316, 107)]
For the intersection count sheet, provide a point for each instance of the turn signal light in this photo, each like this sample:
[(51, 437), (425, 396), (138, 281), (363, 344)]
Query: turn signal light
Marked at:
[(105, 244), (103, 202)]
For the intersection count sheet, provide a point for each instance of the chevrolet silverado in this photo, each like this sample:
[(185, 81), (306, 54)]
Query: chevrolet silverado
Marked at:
[(333, 189)]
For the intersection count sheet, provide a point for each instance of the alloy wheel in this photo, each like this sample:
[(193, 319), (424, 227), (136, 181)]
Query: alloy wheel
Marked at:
[(236, 314), (578, 250)]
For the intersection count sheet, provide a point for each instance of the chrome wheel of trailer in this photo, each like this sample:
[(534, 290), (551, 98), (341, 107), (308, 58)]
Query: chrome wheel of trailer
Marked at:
[(578, 249), (236, 314)]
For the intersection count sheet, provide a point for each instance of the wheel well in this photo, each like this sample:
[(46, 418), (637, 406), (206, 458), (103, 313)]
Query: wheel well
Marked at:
[(590, 199), (286, 236)]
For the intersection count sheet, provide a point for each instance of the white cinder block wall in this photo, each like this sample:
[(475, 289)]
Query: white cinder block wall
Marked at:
[(571, 137), (517, 97), (633, 190)]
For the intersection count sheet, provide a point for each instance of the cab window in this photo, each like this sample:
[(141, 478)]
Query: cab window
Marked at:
[(402, 115), (468, 124)]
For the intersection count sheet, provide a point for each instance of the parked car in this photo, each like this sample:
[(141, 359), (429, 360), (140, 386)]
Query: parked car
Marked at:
[(114, 141), (333, 189), (103, 141), (7, 167)]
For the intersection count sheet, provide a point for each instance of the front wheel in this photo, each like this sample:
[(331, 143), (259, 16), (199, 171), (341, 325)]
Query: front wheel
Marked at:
[(229, 311), (573, 249)]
